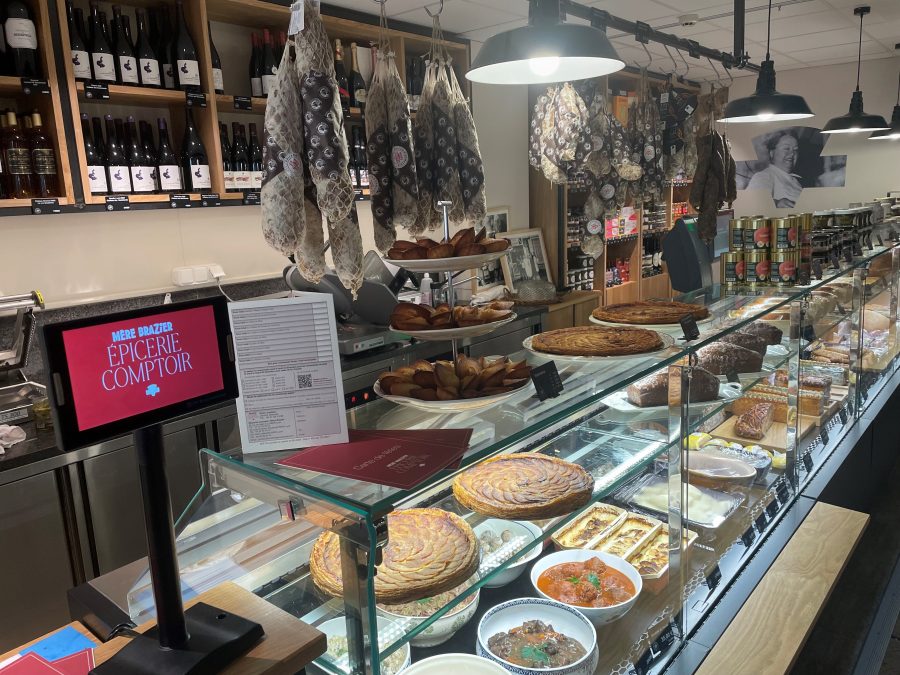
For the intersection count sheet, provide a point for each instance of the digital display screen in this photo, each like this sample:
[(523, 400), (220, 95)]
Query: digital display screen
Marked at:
[(138, 365)]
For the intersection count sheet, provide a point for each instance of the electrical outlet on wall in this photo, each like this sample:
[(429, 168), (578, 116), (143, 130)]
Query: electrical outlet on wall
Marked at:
[(195, 275)]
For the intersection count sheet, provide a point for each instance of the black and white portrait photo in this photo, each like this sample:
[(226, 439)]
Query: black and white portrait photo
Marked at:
[(495, 224), (789, 161)]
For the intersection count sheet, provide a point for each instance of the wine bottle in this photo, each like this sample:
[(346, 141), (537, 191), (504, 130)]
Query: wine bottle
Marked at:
[(141, 178), (126, 30), (256, 165), (104, 26), (184, 53), (280, 44), (96, 169), (357, 83), (99, 143), (126, 63), (194, 161), (218, 80), (17, 153), (359, 153), (103, 65), (227, 168), (164, 49), (21, 40), (43, 160), (269, 66), (340, 73), (81, 58), (118, 175), (255, 67), (148, 63), (4, 61), (149, 152), (166, 162), (240, 159)]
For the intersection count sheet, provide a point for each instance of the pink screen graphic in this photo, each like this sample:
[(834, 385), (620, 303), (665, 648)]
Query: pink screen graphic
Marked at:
[(125, 368)]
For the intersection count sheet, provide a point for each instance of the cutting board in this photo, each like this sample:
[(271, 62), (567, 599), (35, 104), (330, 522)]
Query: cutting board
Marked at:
[(775, 438)]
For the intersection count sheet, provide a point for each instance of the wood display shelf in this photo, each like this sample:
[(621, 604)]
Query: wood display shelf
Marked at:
[(225, 104), (121, 94)]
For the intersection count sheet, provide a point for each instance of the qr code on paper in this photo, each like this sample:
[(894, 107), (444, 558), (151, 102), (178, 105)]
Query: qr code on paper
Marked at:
[(304, 381)]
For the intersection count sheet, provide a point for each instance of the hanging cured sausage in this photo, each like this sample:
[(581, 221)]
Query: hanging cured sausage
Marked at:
[(468, 156), (423, 135), (378, 153)]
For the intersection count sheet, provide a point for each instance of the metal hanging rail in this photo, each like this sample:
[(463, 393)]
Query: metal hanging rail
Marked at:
[(644, 33)]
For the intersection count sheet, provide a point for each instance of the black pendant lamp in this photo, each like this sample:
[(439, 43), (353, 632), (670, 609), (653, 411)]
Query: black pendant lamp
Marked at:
[(767, 104), (892, 134), (857, 120), (546, 50)]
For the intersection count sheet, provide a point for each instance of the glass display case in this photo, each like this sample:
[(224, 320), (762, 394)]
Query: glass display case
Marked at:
[(697, 480)]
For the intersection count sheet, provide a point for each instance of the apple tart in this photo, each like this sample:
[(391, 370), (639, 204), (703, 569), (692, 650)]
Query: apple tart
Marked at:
[(597, 341), (429, 551), (524, 486)]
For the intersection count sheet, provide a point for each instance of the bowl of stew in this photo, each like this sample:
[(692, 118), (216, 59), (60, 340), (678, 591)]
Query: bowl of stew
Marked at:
[(532, 636), (601, 586)]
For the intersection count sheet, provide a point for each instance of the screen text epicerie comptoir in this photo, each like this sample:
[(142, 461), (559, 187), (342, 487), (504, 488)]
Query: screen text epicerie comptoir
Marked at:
[(141, 354)]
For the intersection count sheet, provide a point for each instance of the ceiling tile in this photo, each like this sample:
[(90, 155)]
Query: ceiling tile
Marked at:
[(846, 52), (459, 15), (513, 7), (482, 34), (791, 27)]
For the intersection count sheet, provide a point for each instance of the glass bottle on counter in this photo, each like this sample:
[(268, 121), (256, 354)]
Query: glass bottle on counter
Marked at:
[(357, 84), (167, 163), (149, 152), (255, 67), (141, 173), (340, 73), (43, 160), (96, 163), (269, 67), (184, 53), (148, 63), (21, 40), (194, 161), (103, 64), (118, 175), (227, 167), (255, 154), (17, 153), (240, 158), (81, 58), (126, 63), (218, 80)]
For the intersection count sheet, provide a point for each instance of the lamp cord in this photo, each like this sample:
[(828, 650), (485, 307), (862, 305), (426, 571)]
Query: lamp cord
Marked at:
[(859, 53), (769, 31)]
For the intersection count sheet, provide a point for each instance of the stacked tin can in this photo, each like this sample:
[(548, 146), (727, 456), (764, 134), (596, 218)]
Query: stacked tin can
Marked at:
[(762, 251), (732, 262), (785, 260)]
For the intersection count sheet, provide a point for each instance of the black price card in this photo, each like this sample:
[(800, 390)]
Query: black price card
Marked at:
[(823, 432), (880, 240), (195, 99), (665, 640), (180, 201), (761, 522), (689, 326), (835, 261), (749, 537), (808, 462), (642, 665), (40, 207), (630, 669), (714, 577), (96, 90), (210, 199), (251, 198), (772, 509), (31, 85), (243, 103), (546, 380), (784, 494), (869, 244), (817, 269), (848, 255), (118, 203), (842, 413), (732, 376)]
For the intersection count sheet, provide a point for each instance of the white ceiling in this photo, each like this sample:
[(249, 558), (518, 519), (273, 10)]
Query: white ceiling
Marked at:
[(804, 32)]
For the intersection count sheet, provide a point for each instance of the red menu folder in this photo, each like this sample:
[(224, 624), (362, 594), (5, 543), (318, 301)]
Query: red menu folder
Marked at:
[(400, 459)]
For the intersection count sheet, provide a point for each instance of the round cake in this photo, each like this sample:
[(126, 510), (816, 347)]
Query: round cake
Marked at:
[(525, 485), (649, 312), (429, 551), (597, 341)]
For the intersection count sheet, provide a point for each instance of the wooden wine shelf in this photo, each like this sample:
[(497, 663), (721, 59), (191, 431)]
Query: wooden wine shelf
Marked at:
[(225, 104), (10, 86), (121, 94), (26, 203), (151, 199)]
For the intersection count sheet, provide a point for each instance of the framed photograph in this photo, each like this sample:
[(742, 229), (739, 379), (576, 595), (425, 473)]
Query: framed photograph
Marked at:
[(527, 258), (496, 225)]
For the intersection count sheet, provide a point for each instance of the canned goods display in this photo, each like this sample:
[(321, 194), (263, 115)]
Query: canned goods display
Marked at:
[(733, 268), (757, 267), (783, 268), (736, 228), (785, 231), (757, 235)]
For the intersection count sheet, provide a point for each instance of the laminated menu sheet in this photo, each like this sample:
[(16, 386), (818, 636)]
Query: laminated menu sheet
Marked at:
[(289, 373)]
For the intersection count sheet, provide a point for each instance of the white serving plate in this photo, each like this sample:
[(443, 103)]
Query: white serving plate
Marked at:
[(455, 663), (667, 341), (667, 328), (728, 391), (444, 407), (456, 333), (466, 262)]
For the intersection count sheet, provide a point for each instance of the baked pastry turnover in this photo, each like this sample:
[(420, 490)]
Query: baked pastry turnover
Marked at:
[(429, 551), (597, 341), (524, 485), (649, 312)]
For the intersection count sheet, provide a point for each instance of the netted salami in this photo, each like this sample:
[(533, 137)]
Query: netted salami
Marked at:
[(404, 186), (378, 153), (468, 156)]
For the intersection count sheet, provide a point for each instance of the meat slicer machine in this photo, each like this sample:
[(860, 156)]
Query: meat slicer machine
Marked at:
[(17, 393)]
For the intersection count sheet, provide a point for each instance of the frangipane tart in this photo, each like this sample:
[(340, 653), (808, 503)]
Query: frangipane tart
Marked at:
[(597, 341), (429, 551), (649, 312)]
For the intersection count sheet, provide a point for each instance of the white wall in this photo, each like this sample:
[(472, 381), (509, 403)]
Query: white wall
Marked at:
[(94, 256), (873, 167)]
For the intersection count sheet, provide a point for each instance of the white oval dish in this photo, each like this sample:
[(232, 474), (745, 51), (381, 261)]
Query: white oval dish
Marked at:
[(523, 530), (564, 619), (456, 333), (673, 329), (443, 664), (451, 406), (442, 629), (597, 615), (466, 262)]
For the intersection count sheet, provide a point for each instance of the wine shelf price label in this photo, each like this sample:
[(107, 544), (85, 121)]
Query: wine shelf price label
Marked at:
[(547, 381), (40, 207), (118, 203), (243, 103), (195, 99), (180, 201), (251, 199), (96, 90), (32, 85), (210, 199)]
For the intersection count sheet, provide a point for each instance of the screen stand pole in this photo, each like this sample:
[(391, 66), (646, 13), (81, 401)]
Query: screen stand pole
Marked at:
[(203, 639)]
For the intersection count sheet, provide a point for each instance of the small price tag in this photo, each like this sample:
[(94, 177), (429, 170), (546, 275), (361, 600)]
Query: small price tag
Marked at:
[(96, 90), (665, 640), (714, 577), (733, 376), (784, 495), (251, 198), (31, 85), (840, 308), (642, 665), (848, 255), (749, 537), (195, 99), (842, 413), (835, 261), (689, 327), (180, 201), (869, 243), (807, 462), (40, 207), (630, 669), (546, 380), (210, 199), (118, 203), (880, 240), (761, 522), (297, 18), (243, 103), (772, 509), (817, 269), (823, 432)]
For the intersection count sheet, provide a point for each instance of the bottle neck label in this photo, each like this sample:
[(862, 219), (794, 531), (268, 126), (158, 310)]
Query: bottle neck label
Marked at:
[(81, 64), (128, 68), (218, 80), (170, 177), (256, 86), (200, 177), (119, 179), (169, 75), (188, 73), (149, 71), (104, 67), (97, 179), (20, 34), (142, 179), (44, 161)]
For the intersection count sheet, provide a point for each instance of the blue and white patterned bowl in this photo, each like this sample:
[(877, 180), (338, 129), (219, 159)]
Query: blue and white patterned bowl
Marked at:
[(564, 619)]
